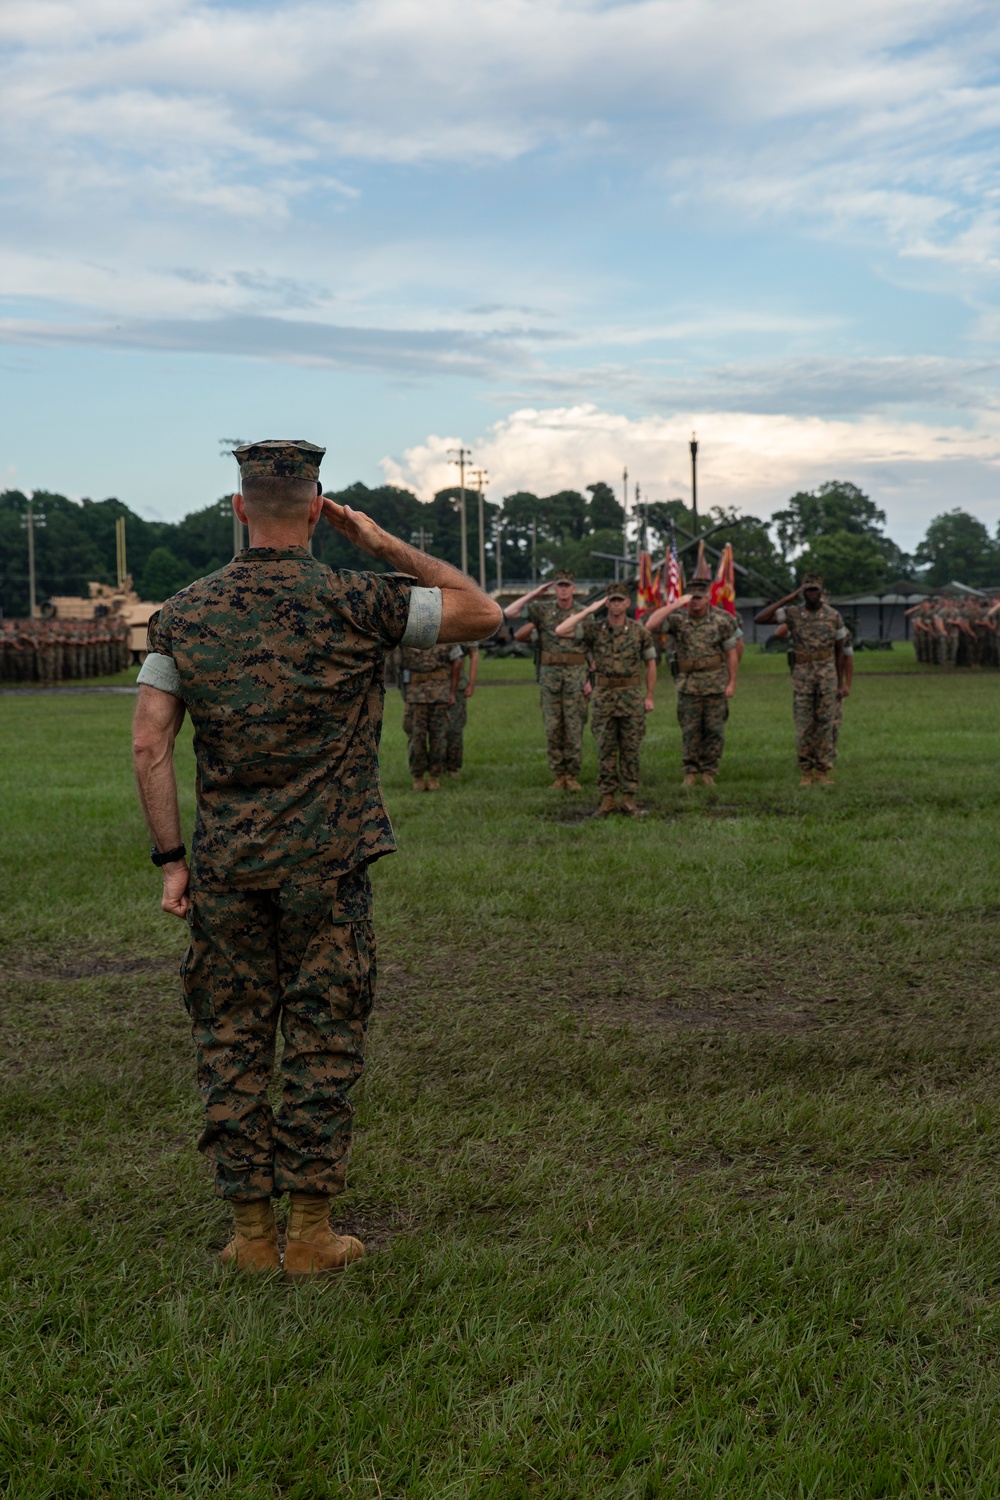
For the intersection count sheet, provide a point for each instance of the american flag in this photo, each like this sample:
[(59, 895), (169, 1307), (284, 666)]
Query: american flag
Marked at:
[(673, 576)]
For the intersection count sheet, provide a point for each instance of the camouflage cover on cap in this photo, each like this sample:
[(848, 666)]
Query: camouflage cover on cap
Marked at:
[(279, 458), (618, 591), (699, 585), (812, 581), (564, 575)]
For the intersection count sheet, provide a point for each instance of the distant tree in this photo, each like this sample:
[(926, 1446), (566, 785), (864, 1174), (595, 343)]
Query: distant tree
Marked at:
[(163, 575), (959, 548), (605, 512), (396, 510), (849, 563), (833, 507), (752, 549)]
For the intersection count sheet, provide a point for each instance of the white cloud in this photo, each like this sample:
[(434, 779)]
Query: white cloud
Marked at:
[(751, 460)]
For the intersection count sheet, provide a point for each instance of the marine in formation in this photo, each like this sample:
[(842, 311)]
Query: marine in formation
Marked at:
[(430, 683), (562, 675), (279, 661), (707, 643), (817, 633), (624, 658)]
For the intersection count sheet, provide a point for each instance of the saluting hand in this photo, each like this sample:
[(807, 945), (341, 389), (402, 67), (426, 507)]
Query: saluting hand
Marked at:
[(356, 526)]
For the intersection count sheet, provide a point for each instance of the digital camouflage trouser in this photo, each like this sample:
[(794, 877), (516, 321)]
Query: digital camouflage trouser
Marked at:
[(618, 736), (702, 718), (458, 714), (564, 713), (428, 743), (814, 704), (257, 960)]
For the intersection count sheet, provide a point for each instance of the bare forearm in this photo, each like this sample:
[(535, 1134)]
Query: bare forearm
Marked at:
[(157, 786), (430, 572), (513, 610), (473, 669), (767, 614), (732, 664), (650, 678), (569, 625)]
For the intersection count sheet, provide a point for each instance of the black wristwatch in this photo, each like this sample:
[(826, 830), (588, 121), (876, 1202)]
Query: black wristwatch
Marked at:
[(169, 856)]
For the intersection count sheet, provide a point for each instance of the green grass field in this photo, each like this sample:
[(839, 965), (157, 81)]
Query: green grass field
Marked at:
[(678, 1149)]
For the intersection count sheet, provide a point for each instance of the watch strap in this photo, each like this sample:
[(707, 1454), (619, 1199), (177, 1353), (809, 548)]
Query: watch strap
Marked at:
[(168, 856)]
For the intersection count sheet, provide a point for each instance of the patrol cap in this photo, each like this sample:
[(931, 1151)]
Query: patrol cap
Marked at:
[(812, 581), (563, 575), (617, 591), (699, 585), (279, 458)]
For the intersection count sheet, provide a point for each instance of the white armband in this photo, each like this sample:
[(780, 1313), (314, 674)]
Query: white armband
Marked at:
[(161, 672), (424, 620), (779, 616), (649, 654)]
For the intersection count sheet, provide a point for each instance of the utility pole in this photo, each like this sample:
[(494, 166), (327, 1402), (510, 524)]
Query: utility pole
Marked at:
[(499, 547), (694, 480), (228, 444), (464, 454), (640, 540), (29, 522), (625, 519), (480, 476), (120, 551), (534, 551)]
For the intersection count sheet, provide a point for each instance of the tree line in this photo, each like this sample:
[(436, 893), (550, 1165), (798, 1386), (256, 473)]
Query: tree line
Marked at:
[(836, 530)]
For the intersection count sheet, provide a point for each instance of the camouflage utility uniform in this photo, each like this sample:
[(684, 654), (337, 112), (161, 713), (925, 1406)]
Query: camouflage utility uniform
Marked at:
[(427, 680), (458, 715), (279, 662), (562, 674), (619, 718), (702, 675), (814, 680)]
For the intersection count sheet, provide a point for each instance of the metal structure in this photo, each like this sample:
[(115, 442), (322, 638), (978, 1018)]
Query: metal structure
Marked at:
[(694, 480), (29, 521), (480, 476), (463, 455)]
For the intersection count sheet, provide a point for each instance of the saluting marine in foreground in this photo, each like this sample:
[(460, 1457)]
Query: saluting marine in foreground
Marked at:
[(279, 662), (818, 634), (707, 662), (562, 676), (625, 679)]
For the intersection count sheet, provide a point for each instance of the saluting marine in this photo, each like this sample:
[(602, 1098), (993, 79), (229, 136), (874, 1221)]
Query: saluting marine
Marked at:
[(817, 633), (562, 676), (430, 681), (624, 681), (707, 662), (279, 660)]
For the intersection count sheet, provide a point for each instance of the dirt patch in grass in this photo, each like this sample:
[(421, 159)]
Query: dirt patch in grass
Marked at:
[(85, 966)]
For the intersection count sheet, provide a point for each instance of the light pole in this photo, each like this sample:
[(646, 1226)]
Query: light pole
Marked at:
[(625, 518), (694, 480), (29, 522), (464, 454), (227, 446), (480, 476)]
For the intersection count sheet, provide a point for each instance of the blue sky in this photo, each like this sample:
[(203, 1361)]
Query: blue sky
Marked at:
[(565, 234)]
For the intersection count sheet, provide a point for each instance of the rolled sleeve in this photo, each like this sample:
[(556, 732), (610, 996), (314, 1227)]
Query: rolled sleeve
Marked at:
[(731, 642), (456, 653), (840, 635), (649, 654), (781, 616), (423, 623), (161, 672)]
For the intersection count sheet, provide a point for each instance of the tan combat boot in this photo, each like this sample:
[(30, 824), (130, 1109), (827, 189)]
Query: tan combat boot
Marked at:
[(453, 775), (418, 783), (607, 806), (690, 779), (807, 778), (254, 1246), (571, 784), (312, 1248), (433, 785), (707, 778), (631, 807), (558, 784), (823, 778)]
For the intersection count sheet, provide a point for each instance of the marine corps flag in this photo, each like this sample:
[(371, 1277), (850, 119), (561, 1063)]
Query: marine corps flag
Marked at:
[(723, 590), (649, 595)]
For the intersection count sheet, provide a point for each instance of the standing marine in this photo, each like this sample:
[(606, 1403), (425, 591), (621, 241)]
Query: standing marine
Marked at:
[(817, 634), (279, 661), (624, 682), (707, 641), (458, 713), (430, 682), (562, 676)]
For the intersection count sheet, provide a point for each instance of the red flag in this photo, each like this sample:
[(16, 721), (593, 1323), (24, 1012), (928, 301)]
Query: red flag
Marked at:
[(702, 570), (723, 590), (649, 595)]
